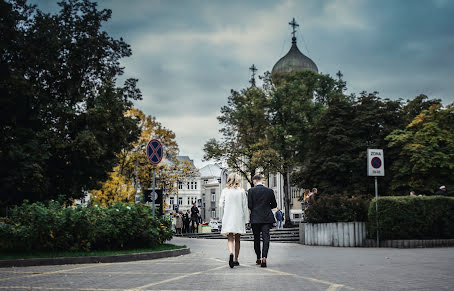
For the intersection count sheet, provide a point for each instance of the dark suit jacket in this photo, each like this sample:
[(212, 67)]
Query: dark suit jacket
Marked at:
[(260, 201)]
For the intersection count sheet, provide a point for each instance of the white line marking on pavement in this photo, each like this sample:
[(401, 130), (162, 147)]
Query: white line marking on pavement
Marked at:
[(176, 278), (334, 287), (58, 272)]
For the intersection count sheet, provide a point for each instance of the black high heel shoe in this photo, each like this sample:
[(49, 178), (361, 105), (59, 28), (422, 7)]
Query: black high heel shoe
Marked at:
[(231, 261)]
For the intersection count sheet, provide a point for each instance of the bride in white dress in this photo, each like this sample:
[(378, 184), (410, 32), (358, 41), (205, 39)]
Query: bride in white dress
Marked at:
[(236, 215)]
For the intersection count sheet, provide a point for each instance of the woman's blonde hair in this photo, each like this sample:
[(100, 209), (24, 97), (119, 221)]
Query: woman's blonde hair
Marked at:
[(306, 194), (233, 181)]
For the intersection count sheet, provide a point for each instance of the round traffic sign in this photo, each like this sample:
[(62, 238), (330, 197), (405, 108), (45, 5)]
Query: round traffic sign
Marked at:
[(153, 196), (376, 162), (155, 151)]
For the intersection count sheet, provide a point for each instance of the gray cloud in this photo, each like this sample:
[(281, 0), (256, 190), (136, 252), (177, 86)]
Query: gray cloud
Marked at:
[(187, 55)]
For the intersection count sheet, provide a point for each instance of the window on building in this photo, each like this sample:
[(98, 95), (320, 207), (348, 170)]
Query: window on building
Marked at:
[(171, 200), (213, 213), (297, 216), (180, 185), (189, 200), (188, 186), (192, 185), (205, 181), (195, 185), (180, 200), (219, 180), (275, 180), (213, 197)]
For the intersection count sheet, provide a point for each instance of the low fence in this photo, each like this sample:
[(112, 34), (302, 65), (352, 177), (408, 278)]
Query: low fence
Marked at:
[(337, 234)]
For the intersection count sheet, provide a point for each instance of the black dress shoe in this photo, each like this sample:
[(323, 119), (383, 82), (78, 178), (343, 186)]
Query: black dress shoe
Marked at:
[(258, 262), (236, 264), (231, 261), (263, 265)]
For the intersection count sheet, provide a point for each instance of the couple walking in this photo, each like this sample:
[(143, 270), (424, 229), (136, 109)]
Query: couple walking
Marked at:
[(260, 200)]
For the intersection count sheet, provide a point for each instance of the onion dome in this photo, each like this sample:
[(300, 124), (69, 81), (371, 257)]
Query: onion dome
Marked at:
[(294, 61)]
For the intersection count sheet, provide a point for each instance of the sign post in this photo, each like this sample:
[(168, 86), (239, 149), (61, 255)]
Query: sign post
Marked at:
[(155, 152), (375, 168)]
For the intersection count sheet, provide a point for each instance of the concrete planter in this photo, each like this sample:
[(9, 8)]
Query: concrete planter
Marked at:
[(336, 234), (411, 243)]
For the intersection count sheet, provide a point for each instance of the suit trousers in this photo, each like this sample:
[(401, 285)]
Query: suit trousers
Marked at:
[(264, 229)]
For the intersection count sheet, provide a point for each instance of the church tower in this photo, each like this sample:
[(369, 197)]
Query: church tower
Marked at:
[(294, 60)]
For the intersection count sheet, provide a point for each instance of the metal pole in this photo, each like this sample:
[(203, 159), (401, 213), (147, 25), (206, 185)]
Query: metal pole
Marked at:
[(153, 192), (376, 208)]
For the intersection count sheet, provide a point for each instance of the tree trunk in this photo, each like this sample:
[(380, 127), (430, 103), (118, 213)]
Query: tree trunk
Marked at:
[(287, 223)]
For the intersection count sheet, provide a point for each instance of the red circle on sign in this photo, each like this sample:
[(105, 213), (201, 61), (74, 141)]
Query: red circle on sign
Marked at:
[(155, 151), (376, 162)]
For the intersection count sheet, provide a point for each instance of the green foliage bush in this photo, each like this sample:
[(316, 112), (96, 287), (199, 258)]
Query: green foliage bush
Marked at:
[(337, 208), (52, 227), (412, 217)]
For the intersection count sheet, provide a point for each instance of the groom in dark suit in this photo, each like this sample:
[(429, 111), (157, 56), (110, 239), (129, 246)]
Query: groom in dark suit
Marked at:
[(261, 200)]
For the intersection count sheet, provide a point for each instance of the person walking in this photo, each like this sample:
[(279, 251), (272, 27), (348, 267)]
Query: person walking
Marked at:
[(178, 222), (261, 201), (186, 221), (194, 218), (279, 218), (236, 215)]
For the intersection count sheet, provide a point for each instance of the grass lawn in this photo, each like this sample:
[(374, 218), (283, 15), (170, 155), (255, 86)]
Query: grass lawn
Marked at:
[(36, 254)]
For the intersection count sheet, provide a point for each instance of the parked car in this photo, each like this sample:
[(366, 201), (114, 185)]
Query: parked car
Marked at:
[(215, 225)]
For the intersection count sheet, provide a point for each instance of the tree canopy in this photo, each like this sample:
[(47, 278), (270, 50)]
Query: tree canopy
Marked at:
[(63, 121)]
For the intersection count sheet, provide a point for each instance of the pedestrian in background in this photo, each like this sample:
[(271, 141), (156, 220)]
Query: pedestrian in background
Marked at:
[(279, 218), (186, 221), (304, 200), (442, 191), (236, 215), (179, 222), (194, 217)]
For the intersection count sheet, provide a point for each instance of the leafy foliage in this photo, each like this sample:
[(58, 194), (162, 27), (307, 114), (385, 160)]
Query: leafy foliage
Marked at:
[(426, 151), (134, 170), (63, 121), (412, 218), (244, 121), (337, 208), (52, 227)]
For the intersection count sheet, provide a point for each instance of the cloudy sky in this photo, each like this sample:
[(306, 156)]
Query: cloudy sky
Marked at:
[(187, 55)]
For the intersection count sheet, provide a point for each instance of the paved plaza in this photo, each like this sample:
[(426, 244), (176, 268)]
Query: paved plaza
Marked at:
[(290, 267)]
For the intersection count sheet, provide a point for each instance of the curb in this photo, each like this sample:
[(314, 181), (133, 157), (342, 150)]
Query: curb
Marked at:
[(93, 259)]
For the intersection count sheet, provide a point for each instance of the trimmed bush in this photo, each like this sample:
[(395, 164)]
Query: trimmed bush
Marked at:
[(337, 208), (412, 218), (53, 227)]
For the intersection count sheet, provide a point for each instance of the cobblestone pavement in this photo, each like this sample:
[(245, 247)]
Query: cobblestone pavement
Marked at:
[(290, 267)]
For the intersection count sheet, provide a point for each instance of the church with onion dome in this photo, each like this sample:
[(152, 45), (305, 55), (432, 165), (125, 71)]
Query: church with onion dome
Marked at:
[(293, 61)]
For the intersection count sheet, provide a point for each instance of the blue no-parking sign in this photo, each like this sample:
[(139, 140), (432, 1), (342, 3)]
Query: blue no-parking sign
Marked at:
[(155, 151), (375, 163)]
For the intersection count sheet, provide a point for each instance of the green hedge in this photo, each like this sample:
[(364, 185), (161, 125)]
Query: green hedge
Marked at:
[(53, 227), (337, 208), (412, 218)]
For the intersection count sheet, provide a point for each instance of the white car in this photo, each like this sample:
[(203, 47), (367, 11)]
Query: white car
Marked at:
[(215, 225)]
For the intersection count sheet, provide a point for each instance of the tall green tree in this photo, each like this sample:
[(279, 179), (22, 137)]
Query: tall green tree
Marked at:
[(245, 121), (296, 102), (426, 151), (64, 120)]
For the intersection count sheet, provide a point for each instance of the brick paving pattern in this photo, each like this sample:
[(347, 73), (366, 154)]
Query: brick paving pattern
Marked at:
[(290, 267)]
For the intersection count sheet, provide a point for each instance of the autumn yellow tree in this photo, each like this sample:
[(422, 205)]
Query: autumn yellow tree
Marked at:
[(135, 171)]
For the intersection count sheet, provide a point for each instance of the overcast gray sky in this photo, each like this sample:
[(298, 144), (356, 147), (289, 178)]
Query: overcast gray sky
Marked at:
[(187, 55)]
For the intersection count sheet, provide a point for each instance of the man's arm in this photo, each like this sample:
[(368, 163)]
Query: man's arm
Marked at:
[(273, 202), (250, 203)]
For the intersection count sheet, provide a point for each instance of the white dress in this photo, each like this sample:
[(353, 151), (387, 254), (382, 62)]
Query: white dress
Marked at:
[(236, 213)]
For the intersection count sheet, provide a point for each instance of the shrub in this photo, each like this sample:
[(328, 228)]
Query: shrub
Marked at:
[(412, 218), (337, 208), (53, 227)]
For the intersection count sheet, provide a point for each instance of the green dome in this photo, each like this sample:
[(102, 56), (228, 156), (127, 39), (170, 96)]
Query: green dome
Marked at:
[(294, 61)]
